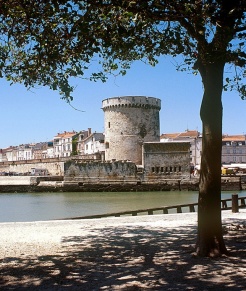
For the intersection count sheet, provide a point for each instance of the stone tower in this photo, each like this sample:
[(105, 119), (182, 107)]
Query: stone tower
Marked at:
[(128, 122)]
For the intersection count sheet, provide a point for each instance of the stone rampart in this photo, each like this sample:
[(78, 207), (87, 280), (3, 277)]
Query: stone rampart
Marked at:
[(54, 166), (99, 172)]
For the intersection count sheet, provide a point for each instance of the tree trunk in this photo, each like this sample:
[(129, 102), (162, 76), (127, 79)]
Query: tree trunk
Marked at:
[(210, 238)]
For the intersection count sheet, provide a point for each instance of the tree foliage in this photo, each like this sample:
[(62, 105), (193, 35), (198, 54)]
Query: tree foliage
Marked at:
[(47, 42)]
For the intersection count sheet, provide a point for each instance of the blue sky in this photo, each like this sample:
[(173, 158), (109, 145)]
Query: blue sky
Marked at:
[(39, 114)]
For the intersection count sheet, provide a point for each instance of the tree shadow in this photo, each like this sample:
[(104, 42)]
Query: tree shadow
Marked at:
[(130, 258)]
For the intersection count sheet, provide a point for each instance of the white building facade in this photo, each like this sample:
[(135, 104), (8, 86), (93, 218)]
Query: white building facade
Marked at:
[(94, 144), (63, 144)]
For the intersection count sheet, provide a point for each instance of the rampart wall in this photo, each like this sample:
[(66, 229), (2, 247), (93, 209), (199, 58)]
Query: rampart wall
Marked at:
[(167, 158), (55, 167), (99, 172)]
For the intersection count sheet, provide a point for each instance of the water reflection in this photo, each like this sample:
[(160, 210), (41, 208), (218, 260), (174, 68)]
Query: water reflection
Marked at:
[(45, 206)]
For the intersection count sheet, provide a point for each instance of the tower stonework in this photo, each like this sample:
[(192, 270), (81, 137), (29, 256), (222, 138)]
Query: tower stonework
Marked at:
[(129, 121)]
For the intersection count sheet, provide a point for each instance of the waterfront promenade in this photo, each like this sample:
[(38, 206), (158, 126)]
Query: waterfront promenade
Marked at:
[(128, 253)]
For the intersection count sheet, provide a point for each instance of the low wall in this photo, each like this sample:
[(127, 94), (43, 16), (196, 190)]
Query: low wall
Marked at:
[(55, 168)]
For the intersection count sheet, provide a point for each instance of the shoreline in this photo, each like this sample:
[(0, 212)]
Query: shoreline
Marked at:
[(18, 184)]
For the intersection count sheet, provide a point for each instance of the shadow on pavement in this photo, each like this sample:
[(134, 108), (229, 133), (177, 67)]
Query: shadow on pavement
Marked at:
[(130, 258)]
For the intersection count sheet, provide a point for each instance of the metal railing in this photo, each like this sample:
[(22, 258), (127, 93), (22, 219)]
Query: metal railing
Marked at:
[(226, 204)]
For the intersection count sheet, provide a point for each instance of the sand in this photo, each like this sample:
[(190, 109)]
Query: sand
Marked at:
[(129, 253)]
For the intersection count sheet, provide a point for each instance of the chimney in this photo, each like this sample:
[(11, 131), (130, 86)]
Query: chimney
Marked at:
[(89, 131)]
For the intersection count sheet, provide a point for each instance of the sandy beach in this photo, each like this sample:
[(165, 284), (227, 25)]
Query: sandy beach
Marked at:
[(128, 253)]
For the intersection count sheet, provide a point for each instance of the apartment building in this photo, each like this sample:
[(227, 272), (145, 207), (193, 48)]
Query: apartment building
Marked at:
[(94, 143), (83, 134), (39, 149), (233, 149), (63, 143)]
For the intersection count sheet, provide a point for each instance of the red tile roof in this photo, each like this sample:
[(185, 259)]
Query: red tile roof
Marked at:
[(66, 134), (239, 137)]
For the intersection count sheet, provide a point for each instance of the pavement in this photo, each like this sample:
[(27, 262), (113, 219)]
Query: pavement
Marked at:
[(152, 252)]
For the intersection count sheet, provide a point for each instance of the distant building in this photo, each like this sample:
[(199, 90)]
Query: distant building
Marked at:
[(24, 152), (39, 149), (82, 136), (233, 149), (63, 144), (10, 154), (94, 143), (49, 152), (193, 137)]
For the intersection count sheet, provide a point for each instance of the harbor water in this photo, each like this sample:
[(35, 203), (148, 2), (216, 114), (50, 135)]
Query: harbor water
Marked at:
[(46, 206)]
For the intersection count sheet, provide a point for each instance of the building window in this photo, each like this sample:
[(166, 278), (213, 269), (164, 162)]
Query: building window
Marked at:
[(109, 125), (106, 145), (153, 169), (162, 169)]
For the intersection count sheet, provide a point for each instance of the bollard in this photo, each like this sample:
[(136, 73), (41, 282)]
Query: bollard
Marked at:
[(234, 203)]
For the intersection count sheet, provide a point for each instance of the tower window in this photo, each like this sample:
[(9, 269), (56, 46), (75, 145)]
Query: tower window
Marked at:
[(109, 125)]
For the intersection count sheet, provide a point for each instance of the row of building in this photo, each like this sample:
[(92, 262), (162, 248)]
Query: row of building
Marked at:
[(86, 142), (233, 146), (63, 145)]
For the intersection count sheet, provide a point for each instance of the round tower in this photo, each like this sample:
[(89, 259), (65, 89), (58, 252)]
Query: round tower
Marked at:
[(128, 122)]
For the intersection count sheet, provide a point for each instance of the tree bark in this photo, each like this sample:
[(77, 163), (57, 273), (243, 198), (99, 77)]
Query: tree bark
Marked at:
[(210, 240)]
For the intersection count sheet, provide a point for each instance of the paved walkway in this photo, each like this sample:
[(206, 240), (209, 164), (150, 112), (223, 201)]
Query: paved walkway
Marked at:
[(128, 253)]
